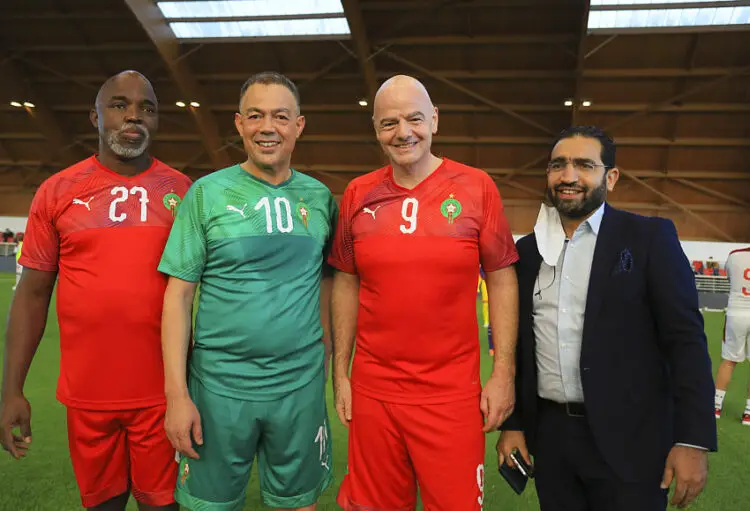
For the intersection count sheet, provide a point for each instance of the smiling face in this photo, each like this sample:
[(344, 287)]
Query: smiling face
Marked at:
[(405, 121), (577, 179), (126, 115), (269, 124)]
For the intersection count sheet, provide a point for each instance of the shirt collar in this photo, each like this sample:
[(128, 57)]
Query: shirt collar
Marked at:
[(550, 235), (595, 220)]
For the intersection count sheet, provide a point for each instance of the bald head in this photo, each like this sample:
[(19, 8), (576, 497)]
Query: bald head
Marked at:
[(405, 120), (128, 77), (402, 89)]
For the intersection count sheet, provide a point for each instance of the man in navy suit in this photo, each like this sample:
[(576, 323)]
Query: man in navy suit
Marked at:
[(614, 390)]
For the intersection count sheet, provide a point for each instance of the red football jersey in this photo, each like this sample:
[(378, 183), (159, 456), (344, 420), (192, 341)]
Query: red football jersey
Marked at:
[(104, 234), (417, 254)]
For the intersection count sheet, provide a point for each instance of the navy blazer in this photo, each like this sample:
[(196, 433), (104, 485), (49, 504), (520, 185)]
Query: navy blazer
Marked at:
[(645, 368)]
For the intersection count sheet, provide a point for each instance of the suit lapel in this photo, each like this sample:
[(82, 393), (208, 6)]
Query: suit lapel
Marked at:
[(605, 256), (531, 273), (527, 279)]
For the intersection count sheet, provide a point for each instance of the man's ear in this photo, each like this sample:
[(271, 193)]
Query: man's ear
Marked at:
[(612, 176), (238, 123), (94, 118)]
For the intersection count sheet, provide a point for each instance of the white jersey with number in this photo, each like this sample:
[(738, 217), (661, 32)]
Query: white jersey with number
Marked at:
[(738, 271)]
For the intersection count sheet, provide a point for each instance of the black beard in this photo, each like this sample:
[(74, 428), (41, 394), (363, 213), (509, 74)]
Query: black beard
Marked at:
[(579, 209)]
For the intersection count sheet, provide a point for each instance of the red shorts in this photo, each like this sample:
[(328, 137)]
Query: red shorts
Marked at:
[(394, 447), (119, 451)]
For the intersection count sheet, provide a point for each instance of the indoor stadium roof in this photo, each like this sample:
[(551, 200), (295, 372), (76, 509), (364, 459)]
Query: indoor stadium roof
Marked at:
[(507, 76)]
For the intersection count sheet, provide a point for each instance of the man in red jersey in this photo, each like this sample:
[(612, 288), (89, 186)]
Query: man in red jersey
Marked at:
[(409, 240), (101, 226)]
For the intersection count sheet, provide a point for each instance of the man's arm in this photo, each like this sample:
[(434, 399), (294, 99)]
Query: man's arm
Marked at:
[(176, 332), (182, 417), (502, 290), (674, 301), (326, 285), (26, 323), (344, 308), (498, 397)]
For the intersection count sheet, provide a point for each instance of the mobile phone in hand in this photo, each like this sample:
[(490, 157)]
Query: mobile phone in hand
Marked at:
[(523, 467)]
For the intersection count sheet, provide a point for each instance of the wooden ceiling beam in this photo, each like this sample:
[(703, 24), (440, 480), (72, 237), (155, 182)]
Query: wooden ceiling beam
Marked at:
[(688, 210), (734, 72), (653, 107), (599, 46), (685, 108), (450, 74), (362, 47), (61, 147), (699, 72), (438, 139), (162, 37), (580, 63), (460, 40), (87, 15), (83, 48), (680, 86), (468, 92), (713, 193)]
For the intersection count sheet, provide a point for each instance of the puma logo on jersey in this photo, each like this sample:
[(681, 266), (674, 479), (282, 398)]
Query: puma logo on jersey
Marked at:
[(240, 211), (80, 202), (371, 211)]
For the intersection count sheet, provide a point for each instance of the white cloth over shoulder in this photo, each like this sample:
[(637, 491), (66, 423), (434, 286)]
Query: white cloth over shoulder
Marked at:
[(550, 235)]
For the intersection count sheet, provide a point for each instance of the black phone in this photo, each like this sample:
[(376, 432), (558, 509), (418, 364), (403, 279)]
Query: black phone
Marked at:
[(523, 467), (517, 476)]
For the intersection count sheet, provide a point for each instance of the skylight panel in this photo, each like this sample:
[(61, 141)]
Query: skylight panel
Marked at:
[(624, 15), (253, 29), (647, 2), (216, 20), (249, 8)]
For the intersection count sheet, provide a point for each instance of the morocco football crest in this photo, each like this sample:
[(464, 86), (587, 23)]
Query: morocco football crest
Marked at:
[(303, 211), (172, 202), (450, 208)]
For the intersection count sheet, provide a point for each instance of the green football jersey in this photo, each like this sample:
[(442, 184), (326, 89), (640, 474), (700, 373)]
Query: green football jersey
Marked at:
[(258, 252)]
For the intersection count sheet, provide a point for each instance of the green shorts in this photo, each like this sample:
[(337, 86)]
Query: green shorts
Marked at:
[(291, 437)]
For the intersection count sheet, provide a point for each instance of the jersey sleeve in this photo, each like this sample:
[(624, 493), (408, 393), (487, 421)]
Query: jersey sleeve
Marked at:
[(333, 217), (184, 255), (41, 247), (496, 247), (342, 249)]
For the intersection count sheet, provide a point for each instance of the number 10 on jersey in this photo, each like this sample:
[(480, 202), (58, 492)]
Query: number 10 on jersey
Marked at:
[(283, 220)]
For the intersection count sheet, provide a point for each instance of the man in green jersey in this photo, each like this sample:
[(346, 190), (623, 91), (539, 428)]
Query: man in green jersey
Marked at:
[(254, 236)]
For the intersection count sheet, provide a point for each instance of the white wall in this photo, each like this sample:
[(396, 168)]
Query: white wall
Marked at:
[(14, 223)]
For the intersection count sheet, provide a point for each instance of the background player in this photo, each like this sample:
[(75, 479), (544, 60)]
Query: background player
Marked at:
[(101, 226), (19, 248), (410, 238), (736, 345), (486, 309), (255, 236)]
